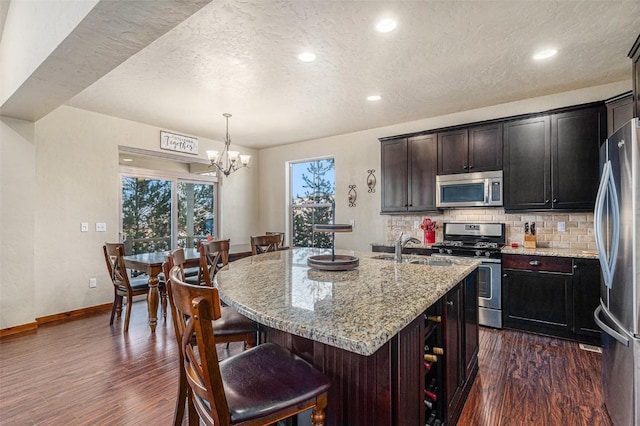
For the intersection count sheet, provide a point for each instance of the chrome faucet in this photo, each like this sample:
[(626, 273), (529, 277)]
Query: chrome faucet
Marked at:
[(401, 243)]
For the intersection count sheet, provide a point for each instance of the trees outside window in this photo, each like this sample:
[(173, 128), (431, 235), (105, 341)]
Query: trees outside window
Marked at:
[(160, 214), (312, 201)]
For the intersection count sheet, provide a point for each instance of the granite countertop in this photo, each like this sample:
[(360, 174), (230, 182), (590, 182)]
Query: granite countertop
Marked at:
[(358, 310), (540, 251), (548, 251)]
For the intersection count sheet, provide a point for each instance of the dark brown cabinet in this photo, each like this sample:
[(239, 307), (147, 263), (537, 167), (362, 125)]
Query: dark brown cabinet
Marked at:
[(586, 297), (634, 54), (408, 174), (554, 296), (551, 161), (473, 149), (619, 112), (536, 293)]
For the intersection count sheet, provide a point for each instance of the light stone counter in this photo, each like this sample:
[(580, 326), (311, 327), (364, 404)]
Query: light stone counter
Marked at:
[(358, 310), (547, 251)]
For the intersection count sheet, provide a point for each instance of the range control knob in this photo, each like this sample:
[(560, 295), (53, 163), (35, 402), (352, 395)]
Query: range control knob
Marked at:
[(449, 251), (441, 250), (487, 253), (478, 253)]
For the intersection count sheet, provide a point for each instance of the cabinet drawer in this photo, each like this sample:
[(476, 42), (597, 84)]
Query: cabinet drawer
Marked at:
[(538, 263)]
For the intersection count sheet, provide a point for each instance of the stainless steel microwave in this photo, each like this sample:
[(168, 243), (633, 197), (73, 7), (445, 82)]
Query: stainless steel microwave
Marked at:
[(481, 189)]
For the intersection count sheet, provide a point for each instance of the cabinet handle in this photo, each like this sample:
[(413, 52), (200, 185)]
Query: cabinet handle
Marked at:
[(450, 303), (555, 200), (465, 167), (535, 263), (546, 201), (471, 167), (575, 266), (504, 275)]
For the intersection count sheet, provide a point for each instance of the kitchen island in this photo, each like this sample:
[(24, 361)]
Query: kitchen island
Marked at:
[(366, 328)]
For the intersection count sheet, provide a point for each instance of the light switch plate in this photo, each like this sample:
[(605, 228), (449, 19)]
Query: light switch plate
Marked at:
[(562, 227), (352, 222), (84, 227), (101, 227), (416, 224), (93, 282)]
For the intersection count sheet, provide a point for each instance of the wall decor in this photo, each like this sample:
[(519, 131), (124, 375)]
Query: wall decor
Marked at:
[(180, 143), (352, 195), (371, 181)]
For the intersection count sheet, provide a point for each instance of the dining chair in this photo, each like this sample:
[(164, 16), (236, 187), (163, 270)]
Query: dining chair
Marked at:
[(264, 243), (214, 255), (124, 286), (259, 386), (277, 233)]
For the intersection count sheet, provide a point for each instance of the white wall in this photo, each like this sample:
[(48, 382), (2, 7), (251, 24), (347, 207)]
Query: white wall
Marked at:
[(67, 176), (17, 199), (355, 153)]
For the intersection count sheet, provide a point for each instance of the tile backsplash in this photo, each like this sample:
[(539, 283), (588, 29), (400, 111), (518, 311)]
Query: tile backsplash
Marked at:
[(578, 232)]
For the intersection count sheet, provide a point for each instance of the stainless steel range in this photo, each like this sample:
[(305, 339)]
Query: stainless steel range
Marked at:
[(479, 241)]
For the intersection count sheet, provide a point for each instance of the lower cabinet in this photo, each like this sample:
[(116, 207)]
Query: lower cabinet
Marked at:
[(554, 296)]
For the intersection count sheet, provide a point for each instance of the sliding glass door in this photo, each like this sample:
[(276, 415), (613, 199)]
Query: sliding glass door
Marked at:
[(160, 212)]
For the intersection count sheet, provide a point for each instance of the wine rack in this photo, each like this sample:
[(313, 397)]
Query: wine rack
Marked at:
[(433, 368)]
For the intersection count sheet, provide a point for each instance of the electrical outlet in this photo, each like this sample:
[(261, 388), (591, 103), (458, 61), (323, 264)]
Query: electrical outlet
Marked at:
[(84, 227), (352, 222), (93, 282), (101, 227), (416, 224), (561, 227)]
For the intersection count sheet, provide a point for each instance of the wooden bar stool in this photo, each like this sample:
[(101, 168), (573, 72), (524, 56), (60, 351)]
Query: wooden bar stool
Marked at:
[(259, 386), (264, 243)]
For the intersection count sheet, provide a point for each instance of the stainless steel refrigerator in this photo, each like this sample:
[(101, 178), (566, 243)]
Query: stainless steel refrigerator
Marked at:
[(617, 232)]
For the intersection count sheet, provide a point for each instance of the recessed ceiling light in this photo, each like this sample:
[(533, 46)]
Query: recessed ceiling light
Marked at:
[(386, 25), (307, 57), (373, 98), (127, 160), (544, 54)]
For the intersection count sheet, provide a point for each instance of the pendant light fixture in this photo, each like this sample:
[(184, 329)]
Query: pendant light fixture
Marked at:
[(228, 161)]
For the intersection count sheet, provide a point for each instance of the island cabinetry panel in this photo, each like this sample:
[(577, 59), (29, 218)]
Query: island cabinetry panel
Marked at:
[(390, 387), (473, 149), (409, 168), (551, 161)]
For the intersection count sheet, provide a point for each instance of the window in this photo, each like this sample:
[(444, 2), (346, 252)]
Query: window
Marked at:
[(160, 212), (313, 190)]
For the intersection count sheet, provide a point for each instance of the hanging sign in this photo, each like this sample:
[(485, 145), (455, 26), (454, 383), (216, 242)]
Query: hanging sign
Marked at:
[(180, 143)]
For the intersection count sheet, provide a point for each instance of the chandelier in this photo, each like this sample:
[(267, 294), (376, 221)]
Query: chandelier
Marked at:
[(227, 161)]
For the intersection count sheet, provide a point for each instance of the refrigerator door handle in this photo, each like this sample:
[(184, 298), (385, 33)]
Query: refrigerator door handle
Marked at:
[(607, 188), (610, 331)]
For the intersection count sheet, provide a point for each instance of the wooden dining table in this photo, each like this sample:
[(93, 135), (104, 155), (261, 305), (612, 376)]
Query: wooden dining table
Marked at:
[(151, 264)]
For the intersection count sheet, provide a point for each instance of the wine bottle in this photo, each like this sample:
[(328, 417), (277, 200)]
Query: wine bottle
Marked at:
[(431, 419), (430, 395), (428, 404), (433, 318), (427, 366), (438, 351), (430, 358)]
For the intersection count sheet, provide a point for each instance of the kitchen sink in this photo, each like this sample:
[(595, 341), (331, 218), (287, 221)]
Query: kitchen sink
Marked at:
[(415, 260)]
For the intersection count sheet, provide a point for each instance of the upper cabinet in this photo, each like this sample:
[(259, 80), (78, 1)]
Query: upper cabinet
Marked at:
[(551, 161), (619, 111), (473, 149), (409, 174)]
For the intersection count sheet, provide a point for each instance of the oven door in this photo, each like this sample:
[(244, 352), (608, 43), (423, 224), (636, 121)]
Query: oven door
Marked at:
[(489, 290)]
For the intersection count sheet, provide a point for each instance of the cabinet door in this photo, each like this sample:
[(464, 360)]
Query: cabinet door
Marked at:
[(537, 301), (586, 296), (453, 152), (485, 148), (453, 349), (619, 112), (527, 164), (422, 159), (394, 175), (575, 141)]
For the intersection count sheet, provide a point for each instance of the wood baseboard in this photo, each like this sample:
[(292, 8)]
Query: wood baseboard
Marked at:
[(23, 328)]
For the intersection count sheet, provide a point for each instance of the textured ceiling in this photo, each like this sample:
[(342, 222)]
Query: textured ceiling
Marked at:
[(444, 56)]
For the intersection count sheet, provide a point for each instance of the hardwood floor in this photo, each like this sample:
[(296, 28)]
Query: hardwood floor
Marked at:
[(83, 372), (525, 379)]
